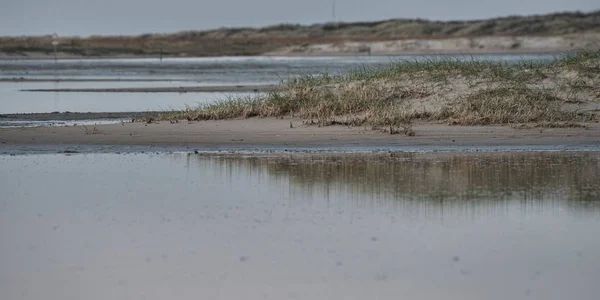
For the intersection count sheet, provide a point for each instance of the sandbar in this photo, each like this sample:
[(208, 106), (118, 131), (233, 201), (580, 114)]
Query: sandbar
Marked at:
[(292, 133)]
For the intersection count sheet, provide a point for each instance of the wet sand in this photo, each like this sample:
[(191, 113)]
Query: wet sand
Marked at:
[(286, 133)]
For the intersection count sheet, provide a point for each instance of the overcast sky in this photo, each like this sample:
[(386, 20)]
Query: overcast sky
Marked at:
[(87, 17)]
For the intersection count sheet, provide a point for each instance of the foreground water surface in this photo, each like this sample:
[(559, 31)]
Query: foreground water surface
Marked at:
[(402, 226)]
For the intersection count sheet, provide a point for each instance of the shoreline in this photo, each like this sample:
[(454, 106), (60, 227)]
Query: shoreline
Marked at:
[(282, 53), (271, 133), (58, 79), (258, 152), (176, 89), (406, 106), (76, 116)]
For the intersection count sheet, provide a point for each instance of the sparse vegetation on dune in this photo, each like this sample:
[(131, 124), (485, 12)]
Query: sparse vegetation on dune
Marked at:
[(564, 92)]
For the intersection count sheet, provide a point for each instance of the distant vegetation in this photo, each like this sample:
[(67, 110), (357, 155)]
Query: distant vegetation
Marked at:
[(255, 41)]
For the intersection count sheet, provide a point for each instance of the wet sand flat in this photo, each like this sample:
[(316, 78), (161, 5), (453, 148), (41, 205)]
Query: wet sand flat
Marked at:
[(292, 133)]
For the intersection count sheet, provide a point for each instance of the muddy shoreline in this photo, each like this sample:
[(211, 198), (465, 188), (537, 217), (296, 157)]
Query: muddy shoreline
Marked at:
[(269, 133), (326, 50)]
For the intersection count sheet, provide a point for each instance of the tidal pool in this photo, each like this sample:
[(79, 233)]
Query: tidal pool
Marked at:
[(402, 226)]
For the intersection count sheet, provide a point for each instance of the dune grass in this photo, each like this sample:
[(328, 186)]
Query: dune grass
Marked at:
[(435, 90)]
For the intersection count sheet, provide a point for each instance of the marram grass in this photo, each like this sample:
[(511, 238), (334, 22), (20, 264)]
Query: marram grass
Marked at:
[(435, 90)]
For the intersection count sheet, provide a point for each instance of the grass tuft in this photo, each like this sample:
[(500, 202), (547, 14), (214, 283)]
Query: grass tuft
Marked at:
[(506, 105)]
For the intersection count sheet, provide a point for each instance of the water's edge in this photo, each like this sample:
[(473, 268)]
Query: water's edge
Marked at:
[(278, 150)]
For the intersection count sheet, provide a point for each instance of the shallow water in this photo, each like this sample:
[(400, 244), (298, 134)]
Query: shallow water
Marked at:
[(13, 100), (408, 226), (59, 123), (219, 70)]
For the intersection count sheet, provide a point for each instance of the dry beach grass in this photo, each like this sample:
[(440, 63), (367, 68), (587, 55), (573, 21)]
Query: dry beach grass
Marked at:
[(562, 93)]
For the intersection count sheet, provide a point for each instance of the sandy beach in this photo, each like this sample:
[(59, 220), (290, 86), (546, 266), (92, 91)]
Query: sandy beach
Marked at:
[(462, 45), (270, 132)]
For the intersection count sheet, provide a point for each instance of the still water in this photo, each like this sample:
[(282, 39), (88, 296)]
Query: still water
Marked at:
[(13, 100), (221, 70), (411, 226)]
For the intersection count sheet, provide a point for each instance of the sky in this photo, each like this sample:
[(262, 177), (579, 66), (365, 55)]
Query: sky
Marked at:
[(124, 17)]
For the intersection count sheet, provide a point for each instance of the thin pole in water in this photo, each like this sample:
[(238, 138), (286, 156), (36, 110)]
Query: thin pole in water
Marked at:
[(333, 11), (55, 44)]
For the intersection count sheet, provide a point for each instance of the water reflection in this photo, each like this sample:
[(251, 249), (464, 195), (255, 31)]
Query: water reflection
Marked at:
[(415, 181), (187, 226)]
